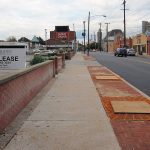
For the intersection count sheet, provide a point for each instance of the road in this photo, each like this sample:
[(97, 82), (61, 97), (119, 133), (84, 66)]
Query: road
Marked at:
[(134, 69)]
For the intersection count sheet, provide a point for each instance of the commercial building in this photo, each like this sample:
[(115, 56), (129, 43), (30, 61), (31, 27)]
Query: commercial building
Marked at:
[(113, 40), (141, 43), (61, 37)]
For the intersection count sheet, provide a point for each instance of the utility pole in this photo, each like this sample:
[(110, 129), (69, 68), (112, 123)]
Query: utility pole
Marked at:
[(94, 41), (88, 33), (124, 3), (84, 35), (100, 38), (107, 34), (89, 27)]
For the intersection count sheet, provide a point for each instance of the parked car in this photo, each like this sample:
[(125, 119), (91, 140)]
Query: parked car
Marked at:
[(131, 52), (120, 52), (46, 52), (36, 51)]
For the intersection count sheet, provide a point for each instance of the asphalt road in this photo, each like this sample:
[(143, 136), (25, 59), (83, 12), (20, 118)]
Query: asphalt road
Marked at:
[(134, 69)]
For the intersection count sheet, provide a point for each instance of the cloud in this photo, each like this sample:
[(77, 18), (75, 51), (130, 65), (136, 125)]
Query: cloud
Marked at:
[(31, 17)]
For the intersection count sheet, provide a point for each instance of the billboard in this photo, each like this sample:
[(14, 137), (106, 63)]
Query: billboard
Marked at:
[(62, 35), (12, 56), (62, 28)]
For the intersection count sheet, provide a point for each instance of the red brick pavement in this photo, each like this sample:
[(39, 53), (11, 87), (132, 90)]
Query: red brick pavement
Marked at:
[(132, 130), (132, 135), (86, 57)]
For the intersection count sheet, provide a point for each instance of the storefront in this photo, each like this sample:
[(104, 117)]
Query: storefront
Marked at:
[(140, 44)]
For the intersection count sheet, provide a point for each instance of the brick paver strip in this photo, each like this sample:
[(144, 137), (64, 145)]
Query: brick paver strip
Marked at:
[(107, 85), (134, 135), (118, 84), (132, 130), (100, 69), (86, 57)]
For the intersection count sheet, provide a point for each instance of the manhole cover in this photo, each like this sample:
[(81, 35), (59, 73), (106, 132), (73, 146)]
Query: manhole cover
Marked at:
[(130, 107)]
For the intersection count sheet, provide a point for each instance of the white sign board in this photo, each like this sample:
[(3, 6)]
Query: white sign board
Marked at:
[(12, 57)]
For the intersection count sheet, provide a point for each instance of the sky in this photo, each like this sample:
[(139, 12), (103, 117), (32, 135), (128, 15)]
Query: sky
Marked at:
[(26, 18)]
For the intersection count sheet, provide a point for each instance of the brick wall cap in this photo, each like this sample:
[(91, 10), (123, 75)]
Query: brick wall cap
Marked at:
[(12, 76)]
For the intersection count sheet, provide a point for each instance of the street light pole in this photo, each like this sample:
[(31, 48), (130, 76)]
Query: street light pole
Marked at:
[(89, 29), (84, 35), (88, 33)]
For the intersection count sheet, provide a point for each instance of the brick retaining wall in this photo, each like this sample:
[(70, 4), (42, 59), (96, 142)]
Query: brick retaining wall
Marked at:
[(18, 90)]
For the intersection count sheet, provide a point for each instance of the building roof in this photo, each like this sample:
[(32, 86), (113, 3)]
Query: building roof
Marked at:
[(115, 31), (35, 39), (112, 33)]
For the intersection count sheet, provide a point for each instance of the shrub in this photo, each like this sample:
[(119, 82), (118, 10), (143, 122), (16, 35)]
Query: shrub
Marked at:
[(37, 59)]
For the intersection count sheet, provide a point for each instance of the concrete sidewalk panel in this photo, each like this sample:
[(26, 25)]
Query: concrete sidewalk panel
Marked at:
[(64, 135), (71, 109)]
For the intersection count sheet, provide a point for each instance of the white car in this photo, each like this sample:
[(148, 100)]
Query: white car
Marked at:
[(36, 50), (131, 52)]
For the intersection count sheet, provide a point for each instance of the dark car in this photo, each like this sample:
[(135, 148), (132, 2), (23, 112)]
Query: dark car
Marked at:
[(120, 52)]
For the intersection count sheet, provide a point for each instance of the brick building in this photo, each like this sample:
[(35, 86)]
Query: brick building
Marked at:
[(61, 37)]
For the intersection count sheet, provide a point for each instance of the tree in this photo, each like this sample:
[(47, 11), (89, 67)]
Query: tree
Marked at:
[(41, 41), (11, 39), (23, 39), (93, 45)]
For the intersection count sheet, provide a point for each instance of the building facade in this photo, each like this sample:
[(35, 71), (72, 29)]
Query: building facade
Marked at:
[(62, 37), (113, 40), (141, 43)]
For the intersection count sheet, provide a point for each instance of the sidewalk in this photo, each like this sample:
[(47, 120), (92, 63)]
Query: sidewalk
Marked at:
[(70, 115)]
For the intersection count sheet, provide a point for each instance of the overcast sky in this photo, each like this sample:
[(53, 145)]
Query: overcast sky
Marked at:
[(31, 17)]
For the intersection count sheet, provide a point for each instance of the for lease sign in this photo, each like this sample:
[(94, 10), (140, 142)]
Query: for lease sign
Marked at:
[(12, 57)]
